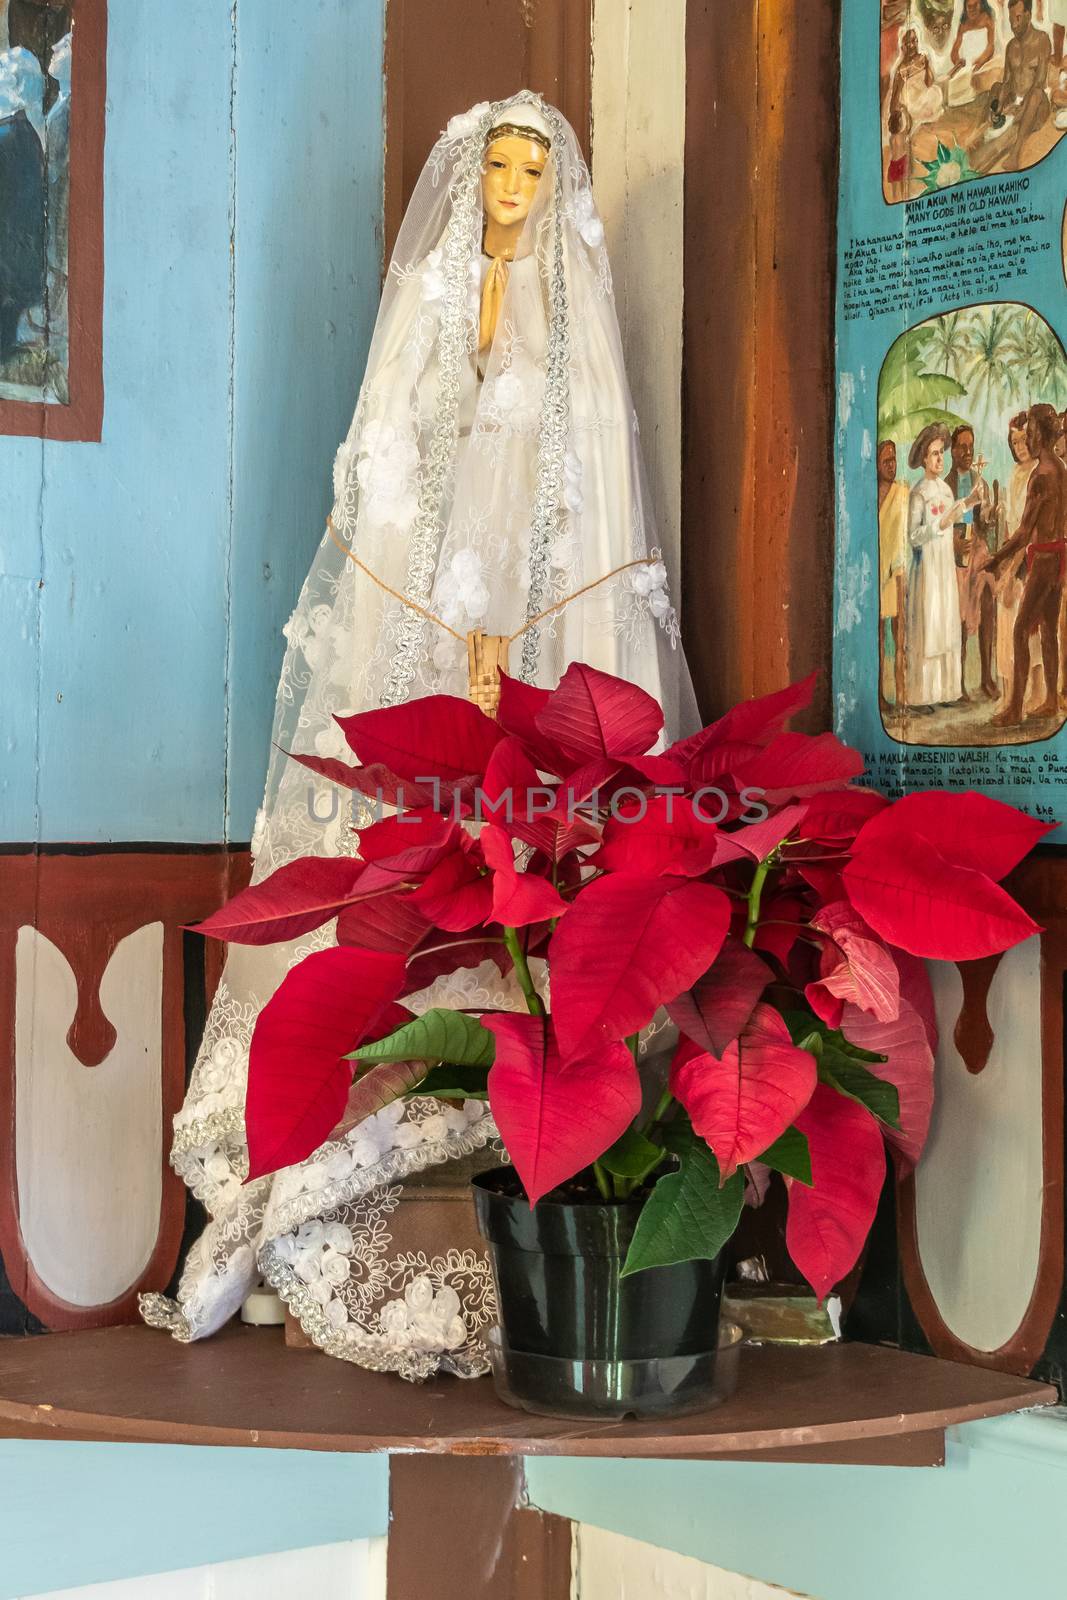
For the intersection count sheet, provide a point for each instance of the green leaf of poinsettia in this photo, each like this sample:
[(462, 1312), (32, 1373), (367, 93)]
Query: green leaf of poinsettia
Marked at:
[(448, 1082), (790, 1155), (632, 1156), (438, 1035), (688, 1217), (851, 1078)]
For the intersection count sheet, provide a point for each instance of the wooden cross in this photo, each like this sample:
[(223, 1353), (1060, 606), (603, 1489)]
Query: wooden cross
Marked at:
[(487, 657)]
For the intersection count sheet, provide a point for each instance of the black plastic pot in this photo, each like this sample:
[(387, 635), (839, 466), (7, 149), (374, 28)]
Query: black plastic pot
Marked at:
[(577, 1339)]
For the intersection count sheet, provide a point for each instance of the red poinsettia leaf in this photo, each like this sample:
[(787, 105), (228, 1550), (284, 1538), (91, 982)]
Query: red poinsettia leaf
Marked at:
[(714, 767), (661, 834), (298, 1080), (828, 1223), (969, 830), (761, 839), (795, 765), (413, 842), (713, 1012), (781, 922), (457, 894), (839, 814), (296, 898), (728, 848), (916, 989), (745, 1100), (857, 967), (517, 714), (444, 955), (514, 798), (627, 946), (829, 1008), (383, 922), (593, 715), (753, 722), (376, 781), (658, 770), (909, 1065), (914, 898), (519, 898), (438, 736), (826, 881), (555, 1118)]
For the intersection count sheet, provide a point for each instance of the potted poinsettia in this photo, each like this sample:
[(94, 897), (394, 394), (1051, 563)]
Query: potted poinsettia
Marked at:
[(718, 952)]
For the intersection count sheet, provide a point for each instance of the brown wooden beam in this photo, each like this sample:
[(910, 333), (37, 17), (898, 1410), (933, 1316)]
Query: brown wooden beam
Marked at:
[(760, 214), (458, 1531)]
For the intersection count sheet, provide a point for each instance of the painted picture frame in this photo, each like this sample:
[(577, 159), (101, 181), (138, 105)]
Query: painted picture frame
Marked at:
[(53, 81)]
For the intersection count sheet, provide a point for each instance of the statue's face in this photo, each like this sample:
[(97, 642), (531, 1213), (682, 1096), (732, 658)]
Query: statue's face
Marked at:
[(935, 458), (963, 451), (972, 10), (511, 173), (1019, 447), (887, 462), (1019, 18), (910, 44)]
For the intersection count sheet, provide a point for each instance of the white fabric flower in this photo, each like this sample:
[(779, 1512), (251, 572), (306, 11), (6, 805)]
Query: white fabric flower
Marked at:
[(462, 592), (365, 1152), (418, 1296), (509, 392), (335, 1268), (339, 1238), (588, 222), (433, 278), (434, 1128), (464, 125), (217, 1168), (336, 1315), (445, 1306), (320, 1291), (387, 478), (394, 1318), (455, 1334), (343, 463)]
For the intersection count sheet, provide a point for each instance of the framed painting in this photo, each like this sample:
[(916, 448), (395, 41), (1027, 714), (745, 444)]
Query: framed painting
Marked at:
[(53, 67)]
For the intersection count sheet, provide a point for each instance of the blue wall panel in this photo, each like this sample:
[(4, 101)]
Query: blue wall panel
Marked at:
[(230, 374), (74, 1514)]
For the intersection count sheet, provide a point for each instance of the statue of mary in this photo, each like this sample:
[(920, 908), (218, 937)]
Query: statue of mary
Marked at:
[(492, 469)]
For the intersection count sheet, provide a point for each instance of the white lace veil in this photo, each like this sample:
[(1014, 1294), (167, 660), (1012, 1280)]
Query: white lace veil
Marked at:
[(487, 489)]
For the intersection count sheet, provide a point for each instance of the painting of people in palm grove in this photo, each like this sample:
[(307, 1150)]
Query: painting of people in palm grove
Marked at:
[(972, 530), (968, 87), (35, 78)]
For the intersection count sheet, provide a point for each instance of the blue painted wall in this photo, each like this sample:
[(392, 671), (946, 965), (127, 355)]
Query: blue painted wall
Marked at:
[(74, 1514), (981, 1528), (144, 580)]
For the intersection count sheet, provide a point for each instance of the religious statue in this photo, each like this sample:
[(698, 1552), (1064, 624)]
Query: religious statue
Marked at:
[(491, 478)]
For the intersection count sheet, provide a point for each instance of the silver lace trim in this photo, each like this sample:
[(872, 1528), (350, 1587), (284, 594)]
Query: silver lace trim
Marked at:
[(461, 244), (371, 1350), (555, 422)]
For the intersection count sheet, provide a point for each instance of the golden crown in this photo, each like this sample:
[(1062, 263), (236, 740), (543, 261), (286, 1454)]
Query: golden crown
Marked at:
[(502, 129)]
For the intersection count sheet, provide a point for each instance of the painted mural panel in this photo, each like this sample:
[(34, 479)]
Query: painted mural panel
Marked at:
[(968, 88), (950, 620), (51, 127)]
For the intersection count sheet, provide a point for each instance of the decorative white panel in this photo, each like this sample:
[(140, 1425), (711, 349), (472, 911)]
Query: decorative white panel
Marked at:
[(610, 1567), (978, 1189), (638, 93), (351, 1571), (89, 1139)]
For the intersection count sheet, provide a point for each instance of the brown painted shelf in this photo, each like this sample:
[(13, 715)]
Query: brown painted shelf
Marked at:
[(850, 1403)]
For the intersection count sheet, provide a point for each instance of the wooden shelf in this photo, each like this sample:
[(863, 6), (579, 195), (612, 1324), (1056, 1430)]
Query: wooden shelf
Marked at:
[(849, 1403)]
